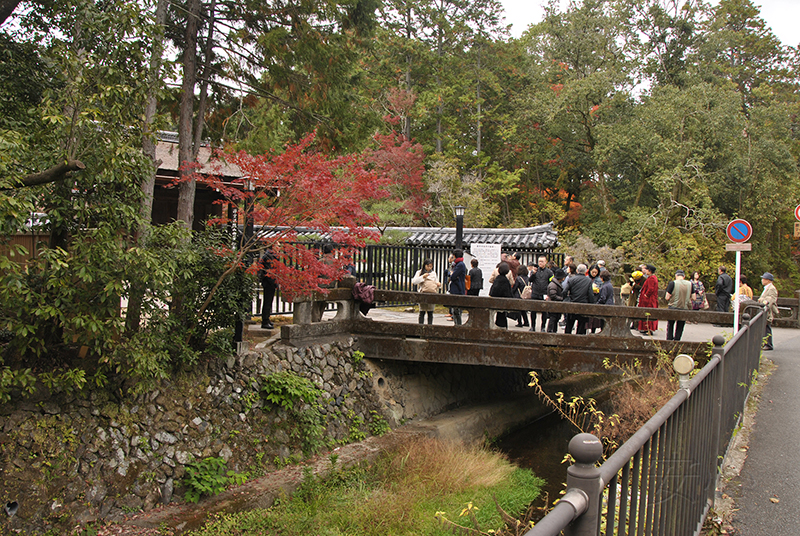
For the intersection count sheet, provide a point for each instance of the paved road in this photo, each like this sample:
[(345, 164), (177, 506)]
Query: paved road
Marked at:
[(767, 494)]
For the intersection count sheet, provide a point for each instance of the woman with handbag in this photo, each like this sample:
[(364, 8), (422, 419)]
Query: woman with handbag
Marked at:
[(699, 300), (426, 281)]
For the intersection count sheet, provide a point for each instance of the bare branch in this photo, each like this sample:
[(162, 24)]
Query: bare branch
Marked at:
[(55, 173)]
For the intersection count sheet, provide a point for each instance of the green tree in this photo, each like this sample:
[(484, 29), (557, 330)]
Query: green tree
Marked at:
[(578, 72)]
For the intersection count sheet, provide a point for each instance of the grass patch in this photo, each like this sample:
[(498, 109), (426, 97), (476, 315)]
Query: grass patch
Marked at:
[(399, 494)]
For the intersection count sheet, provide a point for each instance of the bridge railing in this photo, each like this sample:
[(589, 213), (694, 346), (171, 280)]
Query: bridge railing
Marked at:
[(663, 479)]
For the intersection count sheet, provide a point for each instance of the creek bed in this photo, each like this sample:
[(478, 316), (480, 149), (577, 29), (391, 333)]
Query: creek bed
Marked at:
[(542, 445)]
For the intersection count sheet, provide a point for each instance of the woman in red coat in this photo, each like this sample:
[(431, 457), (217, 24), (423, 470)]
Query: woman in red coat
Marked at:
[(648, 297)]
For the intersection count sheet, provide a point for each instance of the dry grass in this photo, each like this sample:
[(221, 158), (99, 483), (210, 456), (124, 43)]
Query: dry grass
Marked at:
[(634, 405), (448, 467)]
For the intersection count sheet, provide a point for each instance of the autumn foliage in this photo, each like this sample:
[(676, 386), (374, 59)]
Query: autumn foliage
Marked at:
[(299, 189)]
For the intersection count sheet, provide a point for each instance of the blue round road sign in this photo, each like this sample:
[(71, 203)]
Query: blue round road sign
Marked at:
[(739, 231)]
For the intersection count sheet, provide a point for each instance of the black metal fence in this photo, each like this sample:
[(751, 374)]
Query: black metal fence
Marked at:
[(663, 479), (393, 267)]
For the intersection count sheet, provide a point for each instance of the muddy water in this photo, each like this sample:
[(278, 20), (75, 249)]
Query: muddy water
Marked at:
[(540, 446)]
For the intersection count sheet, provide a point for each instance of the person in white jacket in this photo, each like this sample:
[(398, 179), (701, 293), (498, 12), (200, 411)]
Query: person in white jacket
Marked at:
[(426, 280)]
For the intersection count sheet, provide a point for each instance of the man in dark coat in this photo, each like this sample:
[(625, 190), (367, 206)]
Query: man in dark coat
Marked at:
[(270, 285), (578, 289), (723, 289), (458, 284), (539, 282)]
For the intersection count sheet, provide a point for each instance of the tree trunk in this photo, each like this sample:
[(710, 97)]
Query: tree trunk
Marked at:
[(202, 101), (407, 118), (440, 105), (150, 137), (185, 138), (133, 316)]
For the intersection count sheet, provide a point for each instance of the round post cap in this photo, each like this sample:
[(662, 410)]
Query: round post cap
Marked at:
[(586, 448)]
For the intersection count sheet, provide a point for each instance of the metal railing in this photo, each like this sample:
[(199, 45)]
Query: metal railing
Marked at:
[(663, 479)]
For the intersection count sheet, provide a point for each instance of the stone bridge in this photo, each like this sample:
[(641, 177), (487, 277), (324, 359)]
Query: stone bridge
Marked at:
[(480, 342)]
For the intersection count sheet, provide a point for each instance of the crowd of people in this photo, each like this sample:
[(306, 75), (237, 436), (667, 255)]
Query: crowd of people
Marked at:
[(578, 283)]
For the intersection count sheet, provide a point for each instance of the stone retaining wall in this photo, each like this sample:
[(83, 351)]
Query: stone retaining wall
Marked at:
[(74, 459)]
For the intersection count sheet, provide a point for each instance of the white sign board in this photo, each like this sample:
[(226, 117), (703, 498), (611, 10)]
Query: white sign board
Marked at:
[(488, 256)]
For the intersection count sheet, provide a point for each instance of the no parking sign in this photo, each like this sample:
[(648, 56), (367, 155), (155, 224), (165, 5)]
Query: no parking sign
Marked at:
[(739, 231)]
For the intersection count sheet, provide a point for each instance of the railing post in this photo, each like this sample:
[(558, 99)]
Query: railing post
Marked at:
[(797, 310), (719, 387), (585, 476)]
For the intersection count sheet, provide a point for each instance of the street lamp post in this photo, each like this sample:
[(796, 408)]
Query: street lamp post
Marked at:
[(459, 225)]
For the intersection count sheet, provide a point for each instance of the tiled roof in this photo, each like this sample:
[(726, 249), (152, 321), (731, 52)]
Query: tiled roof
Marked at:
[(167, 153), (539, 237)]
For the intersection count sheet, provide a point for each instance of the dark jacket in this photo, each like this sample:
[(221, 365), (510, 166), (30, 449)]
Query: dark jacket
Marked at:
[(724, 286), (554, 291), (501, 288), (475, 279), (540, 282), (606, 296), (580, 290), (458, 275), (265, 263), (519, 284)]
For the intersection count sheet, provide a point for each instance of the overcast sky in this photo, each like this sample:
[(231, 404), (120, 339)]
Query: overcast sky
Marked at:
[(783, 16)]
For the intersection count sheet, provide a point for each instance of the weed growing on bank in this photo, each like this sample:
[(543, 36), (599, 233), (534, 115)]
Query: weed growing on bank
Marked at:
[(646, 388), (400, 494)]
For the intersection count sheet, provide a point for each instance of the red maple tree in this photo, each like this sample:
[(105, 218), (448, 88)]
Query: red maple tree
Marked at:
[(298, 189)]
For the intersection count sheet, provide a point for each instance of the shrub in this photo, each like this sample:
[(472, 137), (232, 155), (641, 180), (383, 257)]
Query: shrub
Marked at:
[(209, 477), (300, 397), (286, 389)]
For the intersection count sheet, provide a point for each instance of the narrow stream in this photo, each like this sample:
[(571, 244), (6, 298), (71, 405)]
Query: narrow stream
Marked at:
[(540, 446)]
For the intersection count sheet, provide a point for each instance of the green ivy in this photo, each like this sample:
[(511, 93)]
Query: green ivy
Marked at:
[(209, 477), (286, 389), (300, 397), (378, 426)]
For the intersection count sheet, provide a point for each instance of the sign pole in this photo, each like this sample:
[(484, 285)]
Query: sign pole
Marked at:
[(738, 231), (736, 292)]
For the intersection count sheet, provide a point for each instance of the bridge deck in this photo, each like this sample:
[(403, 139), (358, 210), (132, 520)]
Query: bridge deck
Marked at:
[(480, 342)]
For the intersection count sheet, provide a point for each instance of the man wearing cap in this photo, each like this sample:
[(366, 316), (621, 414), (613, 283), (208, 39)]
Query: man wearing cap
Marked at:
[(769, 297), (678, 296)]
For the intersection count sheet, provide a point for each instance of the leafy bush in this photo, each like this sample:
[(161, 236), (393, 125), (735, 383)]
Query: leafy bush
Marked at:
[(209, 477), (67, 299), (286, 389), (299, 396), (378, 426), (199, 273), (219, 343)]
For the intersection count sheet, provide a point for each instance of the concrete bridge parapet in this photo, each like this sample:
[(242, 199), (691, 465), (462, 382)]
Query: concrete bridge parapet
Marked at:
[(480, 342)]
